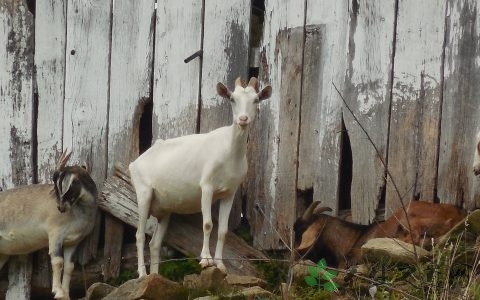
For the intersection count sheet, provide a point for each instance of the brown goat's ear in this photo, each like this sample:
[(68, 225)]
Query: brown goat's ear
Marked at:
[(320, 210), (310, 236), (265, 93), (223, 91)]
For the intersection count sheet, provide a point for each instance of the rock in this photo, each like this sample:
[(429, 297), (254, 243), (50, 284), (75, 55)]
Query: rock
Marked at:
[(251, 293), (151, 287), (244, 281), (393, 249), (98, 291), (210, 278)]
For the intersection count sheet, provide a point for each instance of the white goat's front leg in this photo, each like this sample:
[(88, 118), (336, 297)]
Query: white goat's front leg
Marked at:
[(156, 243), (68, 267), (206, 257), (223, 215), (144, 198), (55, 251)]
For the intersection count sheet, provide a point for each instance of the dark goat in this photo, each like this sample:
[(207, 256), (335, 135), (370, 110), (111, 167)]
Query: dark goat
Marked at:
[(318, 235)]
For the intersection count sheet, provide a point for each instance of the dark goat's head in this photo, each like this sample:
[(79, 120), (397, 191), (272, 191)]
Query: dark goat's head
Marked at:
[(304, 223), (71, 183)]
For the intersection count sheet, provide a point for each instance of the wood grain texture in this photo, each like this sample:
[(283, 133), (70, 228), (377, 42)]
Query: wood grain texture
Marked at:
[(326, 140), (367, 91), (112, 251), (273, 139), (133, 26), (225, 57), (176, 91), (460, 109), (16, 97), (50, 40), (16, 92), (415, 115), (86, 84), (86, 95)]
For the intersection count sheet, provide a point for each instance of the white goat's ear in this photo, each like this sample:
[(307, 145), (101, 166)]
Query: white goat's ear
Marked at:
[(265, 93), (223, 91)]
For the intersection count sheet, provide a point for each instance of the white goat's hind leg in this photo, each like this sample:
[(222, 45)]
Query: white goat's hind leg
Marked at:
[(156, 243), (223, 215), (144, 198), (67, 269), (206, 257)]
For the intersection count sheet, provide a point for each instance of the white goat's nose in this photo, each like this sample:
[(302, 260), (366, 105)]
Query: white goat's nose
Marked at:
[(243, 118)]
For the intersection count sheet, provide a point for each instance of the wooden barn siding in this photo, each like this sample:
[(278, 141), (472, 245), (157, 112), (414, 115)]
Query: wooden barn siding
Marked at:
[(306, 46)]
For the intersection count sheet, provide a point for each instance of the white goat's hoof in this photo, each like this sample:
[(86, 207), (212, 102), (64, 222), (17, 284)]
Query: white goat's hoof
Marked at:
[(59, 293), (221, 266), (207, 262)]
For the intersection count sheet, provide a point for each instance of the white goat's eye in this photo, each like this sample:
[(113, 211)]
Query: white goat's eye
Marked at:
[(256, 100), (232, 100)]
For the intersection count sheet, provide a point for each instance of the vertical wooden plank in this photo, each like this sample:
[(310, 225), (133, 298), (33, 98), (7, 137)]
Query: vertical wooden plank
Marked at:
[(415, 114), (460, 109), (133, 26), (367, 91), (50, 34), (321, 170), (86, 92), (16, 94), (225, 57), (273, 142), (176, 83), (131, 70), (16, 91)]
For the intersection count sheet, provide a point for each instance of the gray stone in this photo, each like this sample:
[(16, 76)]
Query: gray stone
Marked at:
[(98, 291)]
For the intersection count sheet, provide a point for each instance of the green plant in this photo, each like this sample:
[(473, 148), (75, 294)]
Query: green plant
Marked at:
[(319, 274), (177, 269)]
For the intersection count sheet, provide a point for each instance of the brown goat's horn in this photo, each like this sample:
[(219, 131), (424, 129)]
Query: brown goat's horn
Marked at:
[(322, 209), (63, 159), (307, 215), (253, 83), (240, 82)]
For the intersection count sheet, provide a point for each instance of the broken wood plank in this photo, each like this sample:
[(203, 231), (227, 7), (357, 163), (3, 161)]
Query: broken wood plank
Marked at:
[(416, 91), (367, 92), (270, 174), (184, 233)]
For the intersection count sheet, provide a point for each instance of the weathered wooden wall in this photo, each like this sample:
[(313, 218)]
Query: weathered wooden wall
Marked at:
[(79, 74)]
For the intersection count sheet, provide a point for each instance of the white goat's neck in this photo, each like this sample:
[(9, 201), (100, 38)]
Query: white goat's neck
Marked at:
[(239, 136)]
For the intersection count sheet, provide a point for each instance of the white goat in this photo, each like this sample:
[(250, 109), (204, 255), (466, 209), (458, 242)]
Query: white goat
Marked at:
[(188, 174), (55, 216), (476, 156)]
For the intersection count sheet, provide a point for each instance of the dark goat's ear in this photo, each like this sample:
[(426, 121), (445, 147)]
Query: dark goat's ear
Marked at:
[(265, 93)]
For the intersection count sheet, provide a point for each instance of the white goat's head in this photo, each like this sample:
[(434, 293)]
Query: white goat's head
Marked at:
[(476, 157), (244, 99), (71, 183)]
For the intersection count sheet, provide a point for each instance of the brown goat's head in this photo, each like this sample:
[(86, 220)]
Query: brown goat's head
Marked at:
[(71, 183)]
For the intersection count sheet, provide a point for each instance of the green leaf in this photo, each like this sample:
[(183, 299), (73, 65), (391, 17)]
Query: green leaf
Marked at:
[(322, 264), (311, 281), (329, 275), (330, 286), (313, 271)]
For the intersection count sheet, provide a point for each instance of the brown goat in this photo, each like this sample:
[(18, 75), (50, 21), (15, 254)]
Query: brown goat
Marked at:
[(318, 235)]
